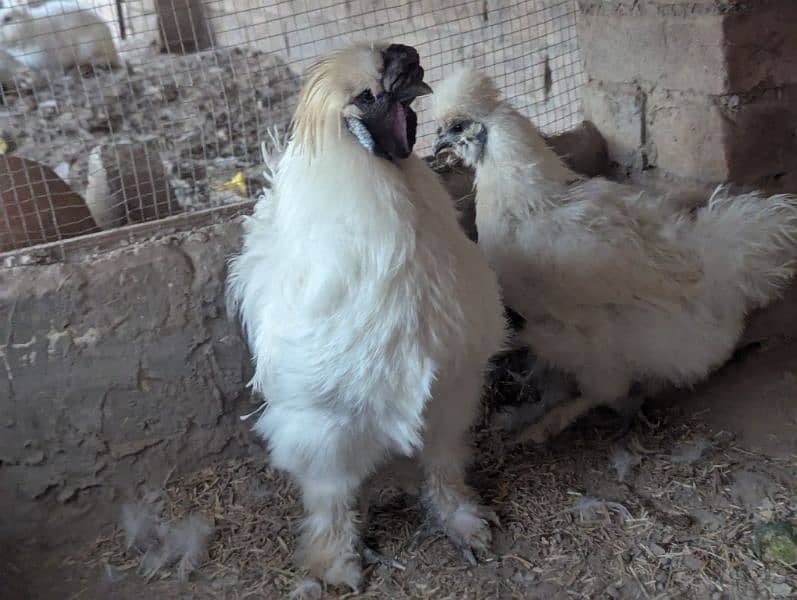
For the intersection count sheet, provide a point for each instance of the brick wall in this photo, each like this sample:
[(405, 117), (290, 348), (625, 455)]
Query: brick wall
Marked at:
[(703, 90)]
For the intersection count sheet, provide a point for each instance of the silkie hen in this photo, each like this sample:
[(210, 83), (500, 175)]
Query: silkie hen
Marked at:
[(618, 287)]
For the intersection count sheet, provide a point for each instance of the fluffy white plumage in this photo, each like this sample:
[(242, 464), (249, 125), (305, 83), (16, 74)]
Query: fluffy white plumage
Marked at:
[(371, 318), (55, 35), (617, 286), (10, 68)]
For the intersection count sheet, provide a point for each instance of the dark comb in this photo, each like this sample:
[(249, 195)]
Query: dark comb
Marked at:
[(402, 67)]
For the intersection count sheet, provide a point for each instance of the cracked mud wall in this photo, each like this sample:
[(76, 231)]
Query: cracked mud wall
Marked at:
[(114, 370)]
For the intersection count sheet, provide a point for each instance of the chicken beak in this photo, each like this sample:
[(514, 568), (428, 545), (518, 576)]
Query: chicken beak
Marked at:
[(409, 92), (444, 143), (443, 150), (386, 126)]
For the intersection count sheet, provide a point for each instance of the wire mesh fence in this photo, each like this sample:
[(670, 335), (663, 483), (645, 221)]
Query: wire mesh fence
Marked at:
[(122, 111)]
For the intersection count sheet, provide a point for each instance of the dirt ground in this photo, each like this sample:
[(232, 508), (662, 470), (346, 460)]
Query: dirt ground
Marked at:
[(708, 469)]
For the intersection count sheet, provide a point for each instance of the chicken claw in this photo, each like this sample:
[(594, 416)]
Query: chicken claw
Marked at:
[(427, 531), (374, 557)]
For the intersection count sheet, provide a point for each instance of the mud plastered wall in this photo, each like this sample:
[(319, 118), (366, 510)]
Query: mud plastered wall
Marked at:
[(114, 370)]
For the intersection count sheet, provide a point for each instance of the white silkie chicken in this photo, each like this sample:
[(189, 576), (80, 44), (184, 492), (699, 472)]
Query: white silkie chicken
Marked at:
[(618, 287), (370, 316), (58, 34), (10, 69)]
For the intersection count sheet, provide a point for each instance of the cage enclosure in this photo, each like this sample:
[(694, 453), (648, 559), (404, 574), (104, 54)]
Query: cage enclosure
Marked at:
[(131, 141)]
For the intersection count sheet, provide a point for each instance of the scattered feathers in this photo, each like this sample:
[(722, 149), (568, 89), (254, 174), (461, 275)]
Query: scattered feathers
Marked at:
[(751, 490), (161, 543), (306, 589), (687, 453), (140, 521), (183, 543), (622, 461)]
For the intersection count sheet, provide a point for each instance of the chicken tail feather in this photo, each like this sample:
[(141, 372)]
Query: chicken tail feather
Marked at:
[(748, 243)]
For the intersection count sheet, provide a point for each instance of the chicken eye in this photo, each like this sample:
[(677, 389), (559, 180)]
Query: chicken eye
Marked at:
[(457, 128), (365, 97)]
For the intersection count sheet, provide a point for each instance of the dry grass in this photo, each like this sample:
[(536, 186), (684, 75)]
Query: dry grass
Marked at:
[(679, 525), (681, 530)]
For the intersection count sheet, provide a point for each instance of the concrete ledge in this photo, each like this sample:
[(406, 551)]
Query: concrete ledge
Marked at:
[(80, 248)]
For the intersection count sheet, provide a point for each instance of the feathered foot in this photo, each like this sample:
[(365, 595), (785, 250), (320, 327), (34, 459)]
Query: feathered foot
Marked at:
[(468, 528), (332, 563), (330, 543), (344, 569), (561, 417), (427, 531), (370, 555), (464, 521), (469, 534), (452, 504), (557, 420)]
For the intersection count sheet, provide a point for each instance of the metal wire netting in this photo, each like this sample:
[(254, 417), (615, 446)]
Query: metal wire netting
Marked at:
[(124, 111)]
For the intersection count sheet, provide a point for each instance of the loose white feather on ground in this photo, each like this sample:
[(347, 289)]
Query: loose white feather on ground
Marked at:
[(160, 543)]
